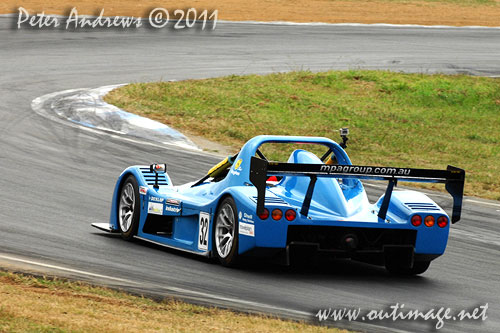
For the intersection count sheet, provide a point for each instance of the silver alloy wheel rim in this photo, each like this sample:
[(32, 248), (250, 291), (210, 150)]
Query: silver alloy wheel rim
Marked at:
[(126, 207), (224, 231)]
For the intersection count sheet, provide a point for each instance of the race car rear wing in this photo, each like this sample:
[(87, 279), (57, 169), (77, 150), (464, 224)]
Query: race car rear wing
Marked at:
[(452, 177)]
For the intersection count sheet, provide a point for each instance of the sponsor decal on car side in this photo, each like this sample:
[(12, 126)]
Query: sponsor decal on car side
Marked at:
[(247, 229), (172, 209), (143, 190), (155, 208), (237, 168), (155, 199), (238, 164), (173, 202), (246, 218)]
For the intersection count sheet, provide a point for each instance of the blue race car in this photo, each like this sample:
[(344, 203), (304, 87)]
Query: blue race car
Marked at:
[(247, 205)]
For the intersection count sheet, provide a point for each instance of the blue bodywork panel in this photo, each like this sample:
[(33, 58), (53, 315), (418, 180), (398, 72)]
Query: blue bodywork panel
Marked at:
[(335, 203)]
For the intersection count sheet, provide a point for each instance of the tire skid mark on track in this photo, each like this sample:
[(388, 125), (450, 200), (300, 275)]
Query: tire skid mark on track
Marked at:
[(42, 105), (475, 235)]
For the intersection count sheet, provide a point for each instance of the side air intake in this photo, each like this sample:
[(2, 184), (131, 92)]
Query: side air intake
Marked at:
[(150, 177), (421, 206), (272, 201)]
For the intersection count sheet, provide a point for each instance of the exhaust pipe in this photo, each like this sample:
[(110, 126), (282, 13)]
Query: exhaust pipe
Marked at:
[(350, 242)]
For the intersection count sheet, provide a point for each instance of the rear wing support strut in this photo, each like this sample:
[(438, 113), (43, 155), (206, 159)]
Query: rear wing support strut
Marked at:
[(382, 212), (258, 177), (454, 179), (307, 200)]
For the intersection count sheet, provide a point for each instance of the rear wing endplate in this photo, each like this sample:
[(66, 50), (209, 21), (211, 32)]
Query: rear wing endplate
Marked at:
[(452, 177)]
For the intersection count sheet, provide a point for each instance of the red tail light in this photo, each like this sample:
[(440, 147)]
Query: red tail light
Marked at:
[(277, 214), (416, 220), (442, 221), (290, 215), (429, 221), (264, 214)]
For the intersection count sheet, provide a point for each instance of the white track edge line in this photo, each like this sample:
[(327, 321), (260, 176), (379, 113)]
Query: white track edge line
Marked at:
[(65, 269), (172, 289)]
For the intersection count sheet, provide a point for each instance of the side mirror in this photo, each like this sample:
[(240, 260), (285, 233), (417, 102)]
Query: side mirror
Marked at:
[(157, 168)]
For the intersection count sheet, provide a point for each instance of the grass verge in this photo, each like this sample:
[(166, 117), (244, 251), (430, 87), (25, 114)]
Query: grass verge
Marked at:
[(396, 119), (29, 304), (426, 12)]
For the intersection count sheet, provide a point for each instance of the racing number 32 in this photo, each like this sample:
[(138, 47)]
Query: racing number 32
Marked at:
[(203, 231)]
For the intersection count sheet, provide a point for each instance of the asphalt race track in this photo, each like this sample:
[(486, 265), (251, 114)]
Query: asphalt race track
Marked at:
[(56, 180)]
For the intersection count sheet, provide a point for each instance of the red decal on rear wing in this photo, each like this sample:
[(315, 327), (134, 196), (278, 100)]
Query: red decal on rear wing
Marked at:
[(454, 179)]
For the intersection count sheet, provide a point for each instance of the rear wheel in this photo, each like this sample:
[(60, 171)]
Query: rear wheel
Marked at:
[(225, 235), (128, 208), (418, 267)]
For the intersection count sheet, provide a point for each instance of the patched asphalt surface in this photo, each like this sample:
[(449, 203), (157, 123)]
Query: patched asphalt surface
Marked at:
[(58, 179)]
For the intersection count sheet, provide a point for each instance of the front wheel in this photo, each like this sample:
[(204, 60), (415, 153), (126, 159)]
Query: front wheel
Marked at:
[(225, 235), (418, 267), (128, 208)]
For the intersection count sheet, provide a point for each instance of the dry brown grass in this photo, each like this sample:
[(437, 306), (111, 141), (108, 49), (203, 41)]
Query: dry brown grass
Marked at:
[(40, 305), (427, 12)]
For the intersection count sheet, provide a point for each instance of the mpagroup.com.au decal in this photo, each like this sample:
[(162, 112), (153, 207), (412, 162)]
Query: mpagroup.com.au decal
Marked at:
[(157, 18), (397, 312)]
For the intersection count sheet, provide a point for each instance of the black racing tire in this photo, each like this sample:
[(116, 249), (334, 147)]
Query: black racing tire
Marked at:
[(225, 248), (128, 208), (418, 267)]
